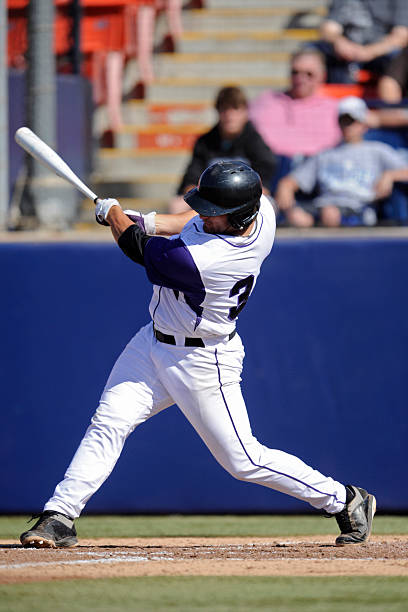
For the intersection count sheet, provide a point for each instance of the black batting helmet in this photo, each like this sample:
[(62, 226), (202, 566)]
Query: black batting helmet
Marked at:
[(227, 187)]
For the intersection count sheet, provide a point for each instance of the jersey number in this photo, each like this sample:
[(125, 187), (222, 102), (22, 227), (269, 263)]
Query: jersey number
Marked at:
[(242, 289)]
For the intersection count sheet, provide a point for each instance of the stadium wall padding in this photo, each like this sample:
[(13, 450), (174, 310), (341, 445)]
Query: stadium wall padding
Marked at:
[(325, 375), (73, 123)]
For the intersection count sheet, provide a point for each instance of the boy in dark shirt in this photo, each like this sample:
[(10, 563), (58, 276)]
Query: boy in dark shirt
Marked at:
[(232, 138)]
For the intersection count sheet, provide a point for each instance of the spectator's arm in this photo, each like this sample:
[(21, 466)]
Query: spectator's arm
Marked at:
[(285, 192), (396, 39), (385, 183), (387, 117), (332, 32)]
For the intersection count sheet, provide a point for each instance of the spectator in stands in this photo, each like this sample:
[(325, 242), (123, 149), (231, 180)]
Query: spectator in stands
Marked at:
[(299, 121), (393, 85), (362, 34), (233, 137), (350, 178)]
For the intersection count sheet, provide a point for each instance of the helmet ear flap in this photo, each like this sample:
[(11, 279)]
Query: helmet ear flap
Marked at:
[(242, 219)]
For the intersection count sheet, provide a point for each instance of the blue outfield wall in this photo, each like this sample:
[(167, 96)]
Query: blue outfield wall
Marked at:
[(325, 377)]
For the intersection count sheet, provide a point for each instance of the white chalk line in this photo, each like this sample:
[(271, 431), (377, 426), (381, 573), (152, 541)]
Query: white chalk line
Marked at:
[(139, 559)]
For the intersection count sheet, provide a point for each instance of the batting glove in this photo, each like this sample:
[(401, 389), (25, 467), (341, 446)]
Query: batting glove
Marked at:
[(146, 222), (102, 208)]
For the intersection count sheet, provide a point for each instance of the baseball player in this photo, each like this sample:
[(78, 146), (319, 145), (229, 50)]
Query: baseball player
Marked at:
[(190, 354)]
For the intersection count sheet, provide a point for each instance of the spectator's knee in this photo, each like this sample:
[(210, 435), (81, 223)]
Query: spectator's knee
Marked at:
[(299, 217), (330, 216)]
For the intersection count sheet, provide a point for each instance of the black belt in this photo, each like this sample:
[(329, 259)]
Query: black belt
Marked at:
[(167, 339)]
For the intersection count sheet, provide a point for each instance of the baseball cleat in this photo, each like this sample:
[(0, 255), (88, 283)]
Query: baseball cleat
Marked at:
[(52, 530), (355, 520)]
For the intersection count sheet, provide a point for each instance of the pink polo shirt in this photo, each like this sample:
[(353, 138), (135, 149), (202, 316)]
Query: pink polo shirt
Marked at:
[(296, 126)]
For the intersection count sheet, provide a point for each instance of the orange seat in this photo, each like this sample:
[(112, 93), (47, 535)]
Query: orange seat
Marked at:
[(102, 29), (16, 37), (340, 90)]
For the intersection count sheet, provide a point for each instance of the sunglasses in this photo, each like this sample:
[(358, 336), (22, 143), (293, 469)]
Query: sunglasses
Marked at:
[(308, 73)]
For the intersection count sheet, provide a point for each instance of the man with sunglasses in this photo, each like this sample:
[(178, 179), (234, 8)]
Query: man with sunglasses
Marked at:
[(299, 121), (350, 178)]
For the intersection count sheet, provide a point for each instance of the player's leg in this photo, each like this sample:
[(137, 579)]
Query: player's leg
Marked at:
[(132, 395), (205, 384), (206, 388)]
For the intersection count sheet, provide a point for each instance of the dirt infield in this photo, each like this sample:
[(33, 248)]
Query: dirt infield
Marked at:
[(301, 556)]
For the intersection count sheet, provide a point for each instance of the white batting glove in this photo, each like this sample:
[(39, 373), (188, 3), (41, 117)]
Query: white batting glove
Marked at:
[(102, 209), (146, 222)]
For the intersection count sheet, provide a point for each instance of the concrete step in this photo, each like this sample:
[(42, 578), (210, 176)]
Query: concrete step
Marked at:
[(245, 42), (159, 136), (136, 164), (178, 113), (145, 113), (159, 187), (221, 65), (206, 88), (247, 19)]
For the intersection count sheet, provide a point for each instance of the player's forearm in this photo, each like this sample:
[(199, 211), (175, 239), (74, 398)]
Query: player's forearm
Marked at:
[(118, 221), (169, 225)]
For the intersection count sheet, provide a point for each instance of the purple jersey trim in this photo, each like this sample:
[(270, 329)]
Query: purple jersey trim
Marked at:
[(138, 220), (158, 302), (247, 454), (237, 246), (170, 264)]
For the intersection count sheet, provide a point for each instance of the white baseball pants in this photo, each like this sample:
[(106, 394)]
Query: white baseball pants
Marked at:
[(205, 384)]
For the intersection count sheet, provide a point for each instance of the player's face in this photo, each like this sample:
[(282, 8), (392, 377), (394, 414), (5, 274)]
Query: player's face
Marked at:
[(216, 225)]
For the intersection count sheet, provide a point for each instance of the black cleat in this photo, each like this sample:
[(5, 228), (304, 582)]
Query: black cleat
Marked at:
[(355, 520), (52, 530)]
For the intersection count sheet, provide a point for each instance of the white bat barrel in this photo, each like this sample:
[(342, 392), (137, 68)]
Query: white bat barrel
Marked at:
[(38, 149)]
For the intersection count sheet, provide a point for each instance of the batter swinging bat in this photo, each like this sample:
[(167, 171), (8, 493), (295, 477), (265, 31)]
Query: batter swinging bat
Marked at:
[(48, 157)]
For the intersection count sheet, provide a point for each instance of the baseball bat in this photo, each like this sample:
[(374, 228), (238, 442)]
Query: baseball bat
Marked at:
[(49, 158)]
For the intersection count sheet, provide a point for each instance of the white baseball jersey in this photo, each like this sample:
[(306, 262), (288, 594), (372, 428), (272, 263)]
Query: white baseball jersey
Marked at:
[(202, 281)]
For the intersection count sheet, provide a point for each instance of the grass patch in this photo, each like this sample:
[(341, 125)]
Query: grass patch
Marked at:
[(210, 594), (204, 526)]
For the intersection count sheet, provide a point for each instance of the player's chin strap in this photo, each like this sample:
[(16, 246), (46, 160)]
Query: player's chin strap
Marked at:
[(241, 220)]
